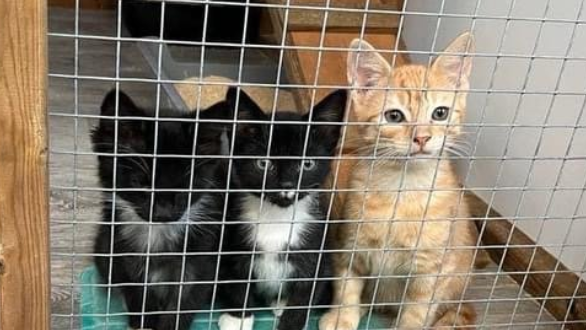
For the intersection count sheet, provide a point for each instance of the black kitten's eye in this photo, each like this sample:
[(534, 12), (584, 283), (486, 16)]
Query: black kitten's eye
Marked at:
[(263, 164), (135, 182), (440, 113), (178, 200), (308, 165), (394, 116)]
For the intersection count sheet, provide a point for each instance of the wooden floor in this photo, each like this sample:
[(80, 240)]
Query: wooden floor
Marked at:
[(74, 212)]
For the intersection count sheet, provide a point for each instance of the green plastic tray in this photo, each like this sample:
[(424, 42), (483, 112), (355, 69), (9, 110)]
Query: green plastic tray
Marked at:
[(95, 314)]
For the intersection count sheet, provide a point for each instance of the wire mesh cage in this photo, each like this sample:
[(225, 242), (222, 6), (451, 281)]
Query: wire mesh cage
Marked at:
[(317, 164)]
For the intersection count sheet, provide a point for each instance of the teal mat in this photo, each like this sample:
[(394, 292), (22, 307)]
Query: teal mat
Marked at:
[(94, 309)]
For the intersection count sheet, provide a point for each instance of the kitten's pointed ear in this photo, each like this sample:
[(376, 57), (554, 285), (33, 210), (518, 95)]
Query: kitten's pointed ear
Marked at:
[(126, 106), (457, 67), (130, 132), (330, 110), (246, 107), (365, 66), (214, 129)]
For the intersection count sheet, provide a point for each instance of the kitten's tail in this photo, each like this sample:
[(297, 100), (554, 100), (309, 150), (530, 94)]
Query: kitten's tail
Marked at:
[(452, 318)]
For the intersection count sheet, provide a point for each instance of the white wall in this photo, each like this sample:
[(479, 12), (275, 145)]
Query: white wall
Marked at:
[(530, 109)]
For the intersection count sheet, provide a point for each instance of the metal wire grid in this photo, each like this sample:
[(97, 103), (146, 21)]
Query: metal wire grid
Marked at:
[(75, 188)]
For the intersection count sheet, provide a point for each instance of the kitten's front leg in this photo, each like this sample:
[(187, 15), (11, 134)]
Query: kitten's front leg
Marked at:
[(234, 296), (419, 310), (133, 297), (347, 294), (299, 295), (193, 298), (278, 307)]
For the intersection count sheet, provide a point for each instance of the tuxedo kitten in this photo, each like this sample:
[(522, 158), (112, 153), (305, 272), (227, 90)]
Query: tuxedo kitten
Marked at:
[(139, 221), (280, 230)]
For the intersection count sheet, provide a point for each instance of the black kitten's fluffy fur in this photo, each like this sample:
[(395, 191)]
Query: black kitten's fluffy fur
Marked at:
[(125, 229), (270, 230)]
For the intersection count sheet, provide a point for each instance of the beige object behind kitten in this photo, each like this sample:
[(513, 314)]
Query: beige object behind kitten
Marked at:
[(214, 88), (427, 251)]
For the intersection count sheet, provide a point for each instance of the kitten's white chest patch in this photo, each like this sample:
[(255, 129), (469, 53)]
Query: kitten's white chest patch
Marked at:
[(163, 237), (271, 269), (274, 228)]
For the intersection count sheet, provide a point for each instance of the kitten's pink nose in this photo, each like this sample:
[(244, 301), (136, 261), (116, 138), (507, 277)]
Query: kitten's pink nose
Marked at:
[(421, 140)]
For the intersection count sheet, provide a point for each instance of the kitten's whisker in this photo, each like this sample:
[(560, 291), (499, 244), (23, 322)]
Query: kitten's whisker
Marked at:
[(142, 165), (125, 149), (366, 149), (456, 152), (459, 140), (121, 147), (458, 143), (133, 168), (456, 149), (387, 156)]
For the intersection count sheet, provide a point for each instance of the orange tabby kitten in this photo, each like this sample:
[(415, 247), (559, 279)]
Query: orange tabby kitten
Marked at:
[(409, 238)]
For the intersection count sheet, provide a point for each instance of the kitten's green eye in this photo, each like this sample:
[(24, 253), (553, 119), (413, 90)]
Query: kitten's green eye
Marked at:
[(308, 165), (394, 116), (136, 182), (263, 164), (440, 113)]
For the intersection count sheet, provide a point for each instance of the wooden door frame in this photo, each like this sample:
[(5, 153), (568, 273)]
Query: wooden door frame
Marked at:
[(24, 216)]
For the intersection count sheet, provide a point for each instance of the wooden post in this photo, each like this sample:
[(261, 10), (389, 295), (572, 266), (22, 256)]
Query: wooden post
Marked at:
[(24, 230)]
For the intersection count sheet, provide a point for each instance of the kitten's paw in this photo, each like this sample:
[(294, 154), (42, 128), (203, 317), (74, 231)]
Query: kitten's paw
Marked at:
[(339, 320), (138, 322), (229, 322), (277, 307)]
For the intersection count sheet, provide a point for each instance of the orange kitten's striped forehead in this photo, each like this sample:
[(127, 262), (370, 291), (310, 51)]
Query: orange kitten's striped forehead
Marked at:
[(417, 92), (418, 108)]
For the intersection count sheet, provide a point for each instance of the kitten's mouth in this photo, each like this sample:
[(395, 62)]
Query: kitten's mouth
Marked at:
[(284, 198), (421, 154)]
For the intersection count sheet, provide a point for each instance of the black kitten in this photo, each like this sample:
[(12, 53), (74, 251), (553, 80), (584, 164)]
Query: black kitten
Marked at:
[(289, 219), (128, 234)]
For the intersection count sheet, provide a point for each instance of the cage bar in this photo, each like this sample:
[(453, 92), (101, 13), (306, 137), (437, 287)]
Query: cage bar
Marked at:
[(533, 278)]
